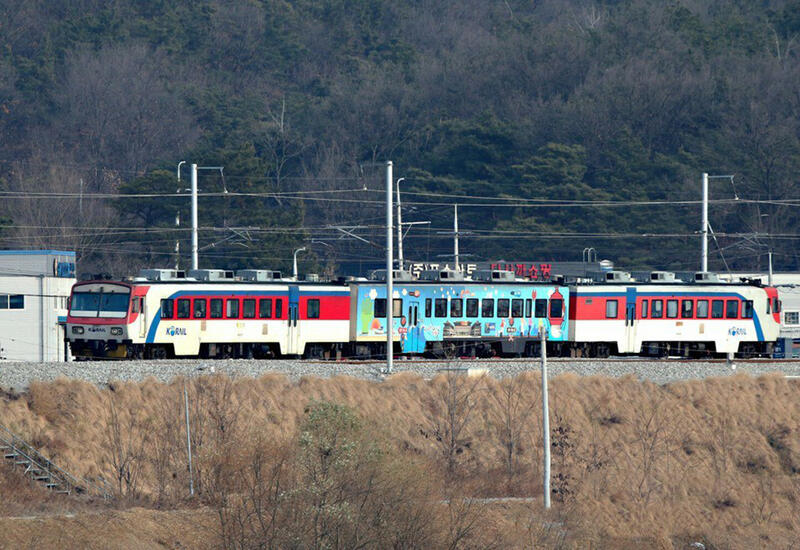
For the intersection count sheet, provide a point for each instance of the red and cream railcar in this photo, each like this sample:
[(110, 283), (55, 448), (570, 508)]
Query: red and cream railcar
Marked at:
[(224, 318), (673, 318)]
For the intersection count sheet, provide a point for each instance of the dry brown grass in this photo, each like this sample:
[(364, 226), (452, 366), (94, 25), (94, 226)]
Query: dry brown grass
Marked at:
[(111, 530), (716, 461)]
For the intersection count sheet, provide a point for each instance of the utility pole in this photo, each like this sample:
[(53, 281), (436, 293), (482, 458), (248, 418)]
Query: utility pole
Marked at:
[(769, 279), (545, 420), (455, 241), (188, 439), (294, 264), (194, 216), (195, 168), (399, 228), (704, 228), (389, 267), (178, 223), (177, 241)]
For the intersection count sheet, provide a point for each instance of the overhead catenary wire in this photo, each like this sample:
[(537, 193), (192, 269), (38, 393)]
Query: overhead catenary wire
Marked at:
[(310, 195)]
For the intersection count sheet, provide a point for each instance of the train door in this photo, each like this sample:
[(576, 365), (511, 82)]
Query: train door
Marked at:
[(142, 316), (412, 339), (293, 330), (630, 321)]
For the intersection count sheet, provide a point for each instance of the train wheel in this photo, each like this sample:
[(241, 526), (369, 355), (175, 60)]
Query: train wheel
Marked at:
[(158, 352)]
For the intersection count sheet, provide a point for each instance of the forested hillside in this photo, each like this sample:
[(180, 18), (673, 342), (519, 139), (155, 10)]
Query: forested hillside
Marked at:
[(551, 122)]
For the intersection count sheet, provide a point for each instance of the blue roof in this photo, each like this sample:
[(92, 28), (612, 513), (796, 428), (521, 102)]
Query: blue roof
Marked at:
[(36, 253)]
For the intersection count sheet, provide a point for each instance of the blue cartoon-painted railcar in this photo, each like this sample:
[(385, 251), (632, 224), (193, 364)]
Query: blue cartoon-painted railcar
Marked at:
[(460, 318)]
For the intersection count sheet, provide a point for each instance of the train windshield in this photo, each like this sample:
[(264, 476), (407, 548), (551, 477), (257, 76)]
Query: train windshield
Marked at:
[(100, 302)]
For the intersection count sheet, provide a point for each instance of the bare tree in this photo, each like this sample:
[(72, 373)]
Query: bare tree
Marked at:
[(115, 105), (126, 436), (514, 405), (449, 414), (48, 209)]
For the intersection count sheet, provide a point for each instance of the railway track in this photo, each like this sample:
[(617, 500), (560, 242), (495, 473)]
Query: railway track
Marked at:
[(15, 377)]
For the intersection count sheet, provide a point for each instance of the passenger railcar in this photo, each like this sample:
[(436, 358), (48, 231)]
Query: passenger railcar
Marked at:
[(213, 318), (460, 318), (673, 318)]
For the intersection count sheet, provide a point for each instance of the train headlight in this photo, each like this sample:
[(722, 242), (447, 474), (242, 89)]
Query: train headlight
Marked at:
[(77, 330), (116, 331)]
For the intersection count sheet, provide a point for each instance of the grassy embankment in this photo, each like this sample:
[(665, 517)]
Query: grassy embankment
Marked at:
[(716, 461)]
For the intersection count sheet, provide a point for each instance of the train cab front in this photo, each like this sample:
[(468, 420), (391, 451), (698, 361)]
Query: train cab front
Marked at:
[(99, 320)]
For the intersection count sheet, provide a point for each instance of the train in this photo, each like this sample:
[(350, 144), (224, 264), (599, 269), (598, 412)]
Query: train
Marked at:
[(258, 314)]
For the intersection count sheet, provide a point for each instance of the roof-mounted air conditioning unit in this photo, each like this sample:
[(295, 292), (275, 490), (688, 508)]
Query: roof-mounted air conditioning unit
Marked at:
[(258, 275), (397, 275), (211, 274), (706, 277), (618, 277), (162, 274), (493, 275), (663, 277)]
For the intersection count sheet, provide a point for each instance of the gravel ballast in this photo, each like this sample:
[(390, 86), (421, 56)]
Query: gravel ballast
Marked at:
[(16, 376)]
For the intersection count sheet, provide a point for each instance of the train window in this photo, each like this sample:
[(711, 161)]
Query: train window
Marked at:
[(312, 309), (487, 307), (747, 309), (687, 309), (135, 305), (517, 307), (472, 307), (397, 308), (167, 309), (791, 318), (716, 309), (380, 307), (611, 309), (199, 308), (672, 309), (215, 308), (528, 307), (776, 305), (441, 307), (428, 307), (184, 308), (732, 309), (541, 308), (502, 307), (456, 305), (249, 308), (556, 308), (278, 308), (658, 309), (265, 308), (644, 309), (702, 309), (232, 308)]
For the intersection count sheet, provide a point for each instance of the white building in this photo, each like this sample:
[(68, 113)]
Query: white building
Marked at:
[(34, 290)]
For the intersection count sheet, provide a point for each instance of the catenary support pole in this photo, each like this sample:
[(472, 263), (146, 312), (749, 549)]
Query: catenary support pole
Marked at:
[(704, 228), (194, 216), (455, 240), (545, 420), (400, 265), (389, 267), (769, 279)]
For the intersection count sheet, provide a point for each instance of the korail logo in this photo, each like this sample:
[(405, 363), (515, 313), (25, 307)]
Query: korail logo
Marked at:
[(176, 331), (737, 331)]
